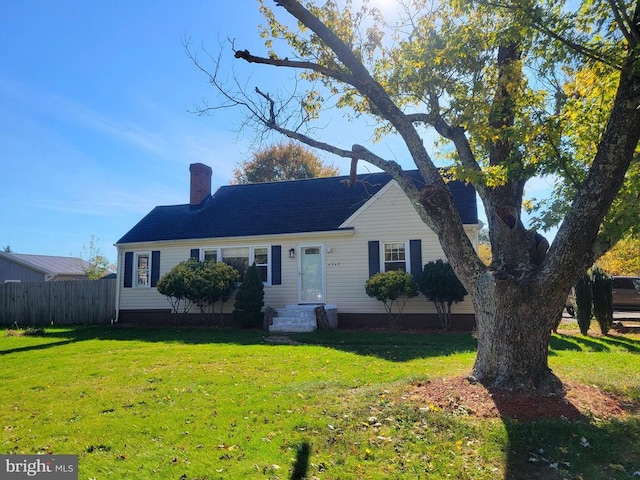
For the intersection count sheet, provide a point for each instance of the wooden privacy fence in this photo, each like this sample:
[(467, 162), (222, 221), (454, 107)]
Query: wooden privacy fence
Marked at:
[(58, 303)]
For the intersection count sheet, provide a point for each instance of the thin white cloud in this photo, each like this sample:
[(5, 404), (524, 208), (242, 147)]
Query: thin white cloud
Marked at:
[(62, 108)]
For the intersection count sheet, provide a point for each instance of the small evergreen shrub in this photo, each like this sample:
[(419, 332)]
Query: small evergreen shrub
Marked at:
[(602, 289), (583, 303), (439, 284), (393, 287), (250, 300)]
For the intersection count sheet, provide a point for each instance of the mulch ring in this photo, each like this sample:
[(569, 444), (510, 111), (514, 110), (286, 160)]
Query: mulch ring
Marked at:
[(459, 396)]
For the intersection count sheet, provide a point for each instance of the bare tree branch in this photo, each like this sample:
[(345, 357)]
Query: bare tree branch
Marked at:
[(340, 76)]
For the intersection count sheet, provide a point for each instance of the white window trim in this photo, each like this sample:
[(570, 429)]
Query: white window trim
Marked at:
[(252, 256), (208, 249), (136, 256), (407, 255)]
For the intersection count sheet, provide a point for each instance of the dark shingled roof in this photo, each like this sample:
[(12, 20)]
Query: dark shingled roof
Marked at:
[(313, 205)]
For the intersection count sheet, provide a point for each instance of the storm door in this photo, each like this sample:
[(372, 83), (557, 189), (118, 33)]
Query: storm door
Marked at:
[(311, 275)]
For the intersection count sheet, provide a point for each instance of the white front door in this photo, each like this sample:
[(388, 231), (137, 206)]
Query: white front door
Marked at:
[(311, 285)]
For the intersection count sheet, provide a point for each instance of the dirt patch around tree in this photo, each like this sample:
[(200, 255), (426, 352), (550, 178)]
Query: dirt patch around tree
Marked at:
[(459, 396)]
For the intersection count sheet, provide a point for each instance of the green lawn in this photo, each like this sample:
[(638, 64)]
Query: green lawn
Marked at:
[(208, 404)]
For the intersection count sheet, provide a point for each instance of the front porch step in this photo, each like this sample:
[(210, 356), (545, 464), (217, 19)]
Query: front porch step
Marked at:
[(300, 318), (292, 325), (294, 318)]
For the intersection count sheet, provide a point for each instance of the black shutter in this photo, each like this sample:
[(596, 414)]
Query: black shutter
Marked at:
[(155, 267), (195, 254), (415, 257), (374, 257), (128, 269), (276, 265)]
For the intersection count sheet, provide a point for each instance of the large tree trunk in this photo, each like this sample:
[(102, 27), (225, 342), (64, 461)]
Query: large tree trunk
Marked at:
[(518, 299), (514, 322)]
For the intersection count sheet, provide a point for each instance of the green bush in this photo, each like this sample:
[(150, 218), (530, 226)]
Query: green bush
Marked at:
[(175, 286), (392, 287), (198, 283), (583, 303), (602, 289), (26, 332), (250, 299), (213, 282), (439, 284)]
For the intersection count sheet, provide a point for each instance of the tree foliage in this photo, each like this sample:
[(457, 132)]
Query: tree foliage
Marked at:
[(511, 90), (583, 109), (484, 246), (282, 161), (392, 288), (99, 265), (623, 258), (439, 284)]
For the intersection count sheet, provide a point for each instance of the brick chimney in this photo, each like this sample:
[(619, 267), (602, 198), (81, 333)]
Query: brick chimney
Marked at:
[(200, 183)]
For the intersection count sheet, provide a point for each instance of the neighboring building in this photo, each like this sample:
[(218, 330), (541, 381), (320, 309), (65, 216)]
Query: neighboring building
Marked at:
[(315, 241), (17, 267)]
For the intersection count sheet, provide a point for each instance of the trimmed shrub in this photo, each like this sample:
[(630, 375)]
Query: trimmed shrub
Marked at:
[(175, 286), (602, 289), (250, 300), (439, 284), (393, 287), (214, 282), (583, 303), (198, 283)]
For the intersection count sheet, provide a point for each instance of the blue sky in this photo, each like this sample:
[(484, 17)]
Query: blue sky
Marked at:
[(96, 122)]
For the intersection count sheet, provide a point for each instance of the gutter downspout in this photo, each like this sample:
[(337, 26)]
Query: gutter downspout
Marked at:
[(118, 274)]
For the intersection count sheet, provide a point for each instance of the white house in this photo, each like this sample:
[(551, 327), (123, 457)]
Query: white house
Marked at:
[(315, 241)]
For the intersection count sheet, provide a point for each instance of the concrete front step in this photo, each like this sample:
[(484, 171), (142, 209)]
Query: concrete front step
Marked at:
[(292, 324), (301, 318)]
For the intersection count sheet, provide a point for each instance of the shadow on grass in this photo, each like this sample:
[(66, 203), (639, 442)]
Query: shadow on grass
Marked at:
[(301, 465), (581, 448), (30, 348), (391, 346), (60, 336), (594, 344)]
